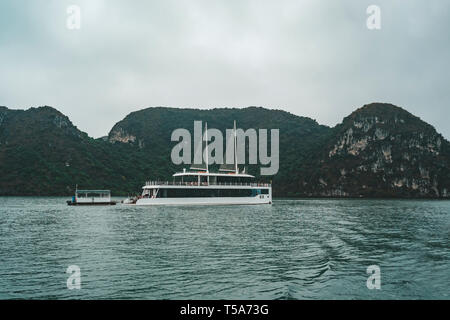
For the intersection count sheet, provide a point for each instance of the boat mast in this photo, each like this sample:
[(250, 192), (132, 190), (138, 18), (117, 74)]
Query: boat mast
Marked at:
[(206, 160), (235, 149), (206, 137)]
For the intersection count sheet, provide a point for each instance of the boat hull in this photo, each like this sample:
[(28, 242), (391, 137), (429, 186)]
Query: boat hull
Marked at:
[(111, 203), (260, 199)]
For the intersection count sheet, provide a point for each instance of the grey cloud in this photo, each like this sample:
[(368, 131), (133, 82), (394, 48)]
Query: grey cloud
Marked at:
[(312, 58)]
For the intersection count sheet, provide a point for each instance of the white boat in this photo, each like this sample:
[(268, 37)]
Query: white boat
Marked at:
[(204, 188), (201, 187)]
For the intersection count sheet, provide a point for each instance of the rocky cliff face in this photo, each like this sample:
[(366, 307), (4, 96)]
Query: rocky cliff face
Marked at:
[(119, 135), (383, 150)]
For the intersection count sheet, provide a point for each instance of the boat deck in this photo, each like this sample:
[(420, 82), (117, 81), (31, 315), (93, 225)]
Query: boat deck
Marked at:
[(109, 203)]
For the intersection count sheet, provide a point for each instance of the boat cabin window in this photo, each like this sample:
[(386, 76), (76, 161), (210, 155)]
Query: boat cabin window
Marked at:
[(202, 193)]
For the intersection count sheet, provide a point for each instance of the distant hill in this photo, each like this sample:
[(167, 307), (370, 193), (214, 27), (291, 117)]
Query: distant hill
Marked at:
[(149, 130), (380, 150), (43, 153)]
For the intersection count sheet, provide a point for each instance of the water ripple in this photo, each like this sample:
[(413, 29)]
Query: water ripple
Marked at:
[(294, 249)]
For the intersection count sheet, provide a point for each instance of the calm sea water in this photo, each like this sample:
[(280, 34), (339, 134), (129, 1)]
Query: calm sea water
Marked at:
[(294, 249)]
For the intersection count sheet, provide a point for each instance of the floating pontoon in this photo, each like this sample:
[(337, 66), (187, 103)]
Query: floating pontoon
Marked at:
[(91, 198)]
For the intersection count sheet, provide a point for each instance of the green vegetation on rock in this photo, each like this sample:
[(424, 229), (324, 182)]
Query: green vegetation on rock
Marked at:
[(380, 150)]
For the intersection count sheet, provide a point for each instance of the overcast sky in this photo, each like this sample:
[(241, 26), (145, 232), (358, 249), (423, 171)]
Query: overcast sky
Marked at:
[(312, 58)]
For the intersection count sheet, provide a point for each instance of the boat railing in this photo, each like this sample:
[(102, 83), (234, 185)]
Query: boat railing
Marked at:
[(205, 184)]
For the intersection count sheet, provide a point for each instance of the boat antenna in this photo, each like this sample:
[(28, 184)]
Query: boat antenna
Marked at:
[(235, 149)]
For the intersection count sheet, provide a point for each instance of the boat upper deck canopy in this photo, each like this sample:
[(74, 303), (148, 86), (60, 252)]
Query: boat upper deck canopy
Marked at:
[(212, 174), (93, 193), (91, 197)]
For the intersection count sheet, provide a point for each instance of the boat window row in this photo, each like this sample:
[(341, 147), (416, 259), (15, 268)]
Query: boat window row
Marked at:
[(92, 195), (214, 179)]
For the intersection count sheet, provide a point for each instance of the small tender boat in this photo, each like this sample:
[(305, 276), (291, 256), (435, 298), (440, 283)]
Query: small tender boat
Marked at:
[(129, 200), (91, 198)]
